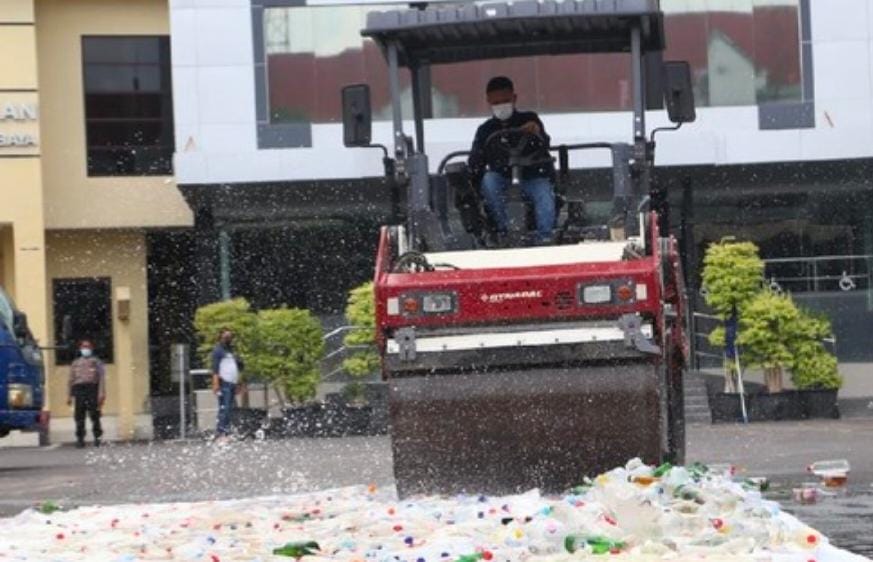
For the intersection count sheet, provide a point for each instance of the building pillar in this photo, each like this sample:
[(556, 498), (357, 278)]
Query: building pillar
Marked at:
[(207, 255), (125, 366)]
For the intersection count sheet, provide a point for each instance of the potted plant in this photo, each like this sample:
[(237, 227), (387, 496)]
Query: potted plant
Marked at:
[(814, 371), (732, 276), (285, 348)]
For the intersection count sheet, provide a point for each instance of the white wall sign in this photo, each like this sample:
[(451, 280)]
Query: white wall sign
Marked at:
[(18, 125)]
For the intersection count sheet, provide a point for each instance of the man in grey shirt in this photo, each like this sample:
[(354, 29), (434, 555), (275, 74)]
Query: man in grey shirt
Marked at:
[(87, 386), (226, 369)]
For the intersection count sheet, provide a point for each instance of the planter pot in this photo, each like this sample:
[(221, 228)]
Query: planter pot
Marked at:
[(775, 406), (299, 421), (245, 422), (332, 419), (819, 404), (786, 405), (725, 408)]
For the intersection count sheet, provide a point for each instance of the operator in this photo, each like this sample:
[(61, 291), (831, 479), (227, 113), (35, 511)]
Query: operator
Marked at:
[(492, 173)]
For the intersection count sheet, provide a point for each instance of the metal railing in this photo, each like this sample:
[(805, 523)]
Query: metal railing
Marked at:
[(844, 273), (336, 353), (703, 350)]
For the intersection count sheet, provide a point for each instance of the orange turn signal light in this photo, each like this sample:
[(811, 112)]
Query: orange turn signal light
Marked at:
[(410, 305), (624, 293)]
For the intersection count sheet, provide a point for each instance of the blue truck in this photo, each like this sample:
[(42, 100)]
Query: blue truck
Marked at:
[(22, 374)]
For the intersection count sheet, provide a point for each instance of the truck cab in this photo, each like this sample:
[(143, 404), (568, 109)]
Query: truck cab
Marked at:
[(22, 373)]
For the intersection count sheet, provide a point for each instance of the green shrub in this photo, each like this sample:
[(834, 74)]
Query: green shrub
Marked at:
[(813, 367), (285, 348), (816, 369), (769, 328), (210, 319), (732, 275), (361, 315)]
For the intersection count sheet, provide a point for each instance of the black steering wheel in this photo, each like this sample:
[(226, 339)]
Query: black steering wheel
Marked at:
[(516, 148)]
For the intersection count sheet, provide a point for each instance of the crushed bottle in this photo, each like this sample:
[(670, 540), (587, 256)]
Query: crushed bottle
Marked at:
[(595, 544), (297, 549), (834, 473)]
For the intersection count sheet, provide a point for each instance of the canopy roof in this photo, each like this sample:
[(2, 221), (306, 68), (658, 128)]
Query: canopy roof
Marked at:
[(458, 33)]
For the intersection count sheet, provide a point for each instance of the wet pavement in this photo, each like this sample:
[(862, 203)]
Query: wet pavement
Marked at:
[(194, 470)]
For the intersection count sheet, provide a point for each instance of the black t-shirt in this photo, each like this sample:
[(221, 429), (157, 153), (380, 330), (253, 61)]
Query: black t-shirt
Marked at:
[(481, 160)]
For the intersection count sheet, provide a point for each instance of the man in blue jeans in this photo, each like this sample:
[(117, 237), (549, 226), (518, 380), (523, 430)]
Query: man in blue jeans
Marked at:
[(226, 369), (489, 169)]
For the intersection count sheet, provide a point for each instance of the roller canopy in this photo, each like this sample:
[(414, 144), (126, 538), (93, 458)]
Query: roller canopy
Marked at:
[(458, 33)]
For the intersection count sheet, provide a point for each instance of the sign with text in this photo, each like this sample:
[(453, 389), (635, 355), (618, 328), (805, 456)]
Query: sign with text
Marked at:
[(19, 124)]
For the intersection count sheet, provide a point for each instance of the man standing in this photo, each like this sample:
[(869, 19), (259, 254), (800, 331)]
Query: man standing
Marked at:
[(87, 386), (492, 173), (226, 368)]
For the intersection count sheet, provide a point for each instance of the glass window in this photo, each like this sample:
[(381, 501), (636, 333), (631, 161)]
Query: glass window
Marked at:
[(742, 52), (128, 105), (88, 304)]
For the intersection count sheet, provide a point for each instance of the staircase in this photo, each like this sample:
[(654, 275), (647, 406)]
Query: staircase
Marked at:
[(696, 399)]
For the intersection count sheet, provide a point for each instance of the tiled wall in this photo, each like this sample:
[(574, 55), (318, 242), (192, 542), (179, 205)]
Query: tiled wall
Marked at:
[(216, 123)]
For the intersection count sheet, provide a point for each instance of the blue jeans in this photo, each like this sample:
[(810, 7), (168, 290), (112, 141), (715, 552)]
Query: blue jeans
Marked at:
[(538, 191), (226, 401)]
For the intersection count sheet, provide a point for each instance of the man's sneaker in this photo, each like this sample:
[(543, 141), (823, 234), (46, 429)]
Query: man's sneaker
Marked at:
[(80, 444), (97, 442)]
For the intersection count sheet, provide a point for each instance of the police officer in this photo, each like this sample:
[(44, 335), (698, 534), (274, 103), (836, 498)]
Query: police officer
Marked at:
[(88, 387)]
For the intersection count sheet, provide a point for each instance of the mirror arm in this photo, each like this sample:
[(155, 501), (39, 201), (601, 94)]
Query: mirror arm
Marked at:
[(659, 129)]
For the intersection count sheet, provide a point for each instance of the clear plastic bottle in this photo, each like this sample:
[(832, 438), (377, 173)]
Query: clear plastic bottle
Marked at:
[(834, 473)]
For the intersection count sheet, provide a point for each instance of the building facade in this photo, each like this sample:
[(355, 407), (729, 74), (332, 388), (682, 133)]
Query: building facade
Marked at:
[(156, 155), (780, 153), (86, 175)]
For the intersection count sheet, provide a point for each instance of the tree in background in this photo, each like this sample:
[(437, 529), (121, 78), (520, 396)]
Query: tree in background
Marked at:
[(285, 347), (361, 315), (733, 274), (282, 346), (770, 330), (773, 332), (235, 315)]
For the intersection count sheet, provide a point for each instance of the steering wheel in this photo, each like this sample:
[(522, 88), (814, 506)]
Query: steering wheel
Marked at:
[(520, 147)]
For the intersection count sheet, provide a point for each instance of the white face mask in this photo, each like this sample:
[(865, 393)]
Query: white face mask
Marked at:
[(85, 352), (503, 111)]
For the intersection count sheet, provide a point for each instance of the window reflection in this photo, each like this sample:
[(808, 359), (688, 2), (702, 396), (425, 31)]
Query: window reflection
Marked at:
[(742, 52)]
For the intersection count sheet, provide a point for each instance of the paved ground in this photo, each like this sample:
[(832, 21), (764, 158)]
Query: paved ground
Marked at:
[(197, 471)]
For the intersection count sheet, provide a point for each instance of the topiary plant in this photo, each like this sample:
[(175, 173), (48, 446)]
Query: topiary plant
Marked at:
[(732, 276), (209, 320), (813, 367), (285, 348), (816, 370), (361, 315), (772, 330)]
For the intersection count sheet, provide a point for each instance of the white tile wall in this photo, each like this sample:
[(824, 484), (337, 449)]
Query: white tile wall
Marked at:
[(183, 31), (842, 70), (240, 166), (186, 98), (227, 137), (190, 165), (226, 94), (839, 20), (224, 36), (216, 106)]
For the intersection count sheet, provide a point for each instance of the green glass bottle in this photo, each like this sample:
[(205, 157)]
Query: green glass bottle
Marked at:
[(470, 557), (596, 544), (662, 470), (297, 549)]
